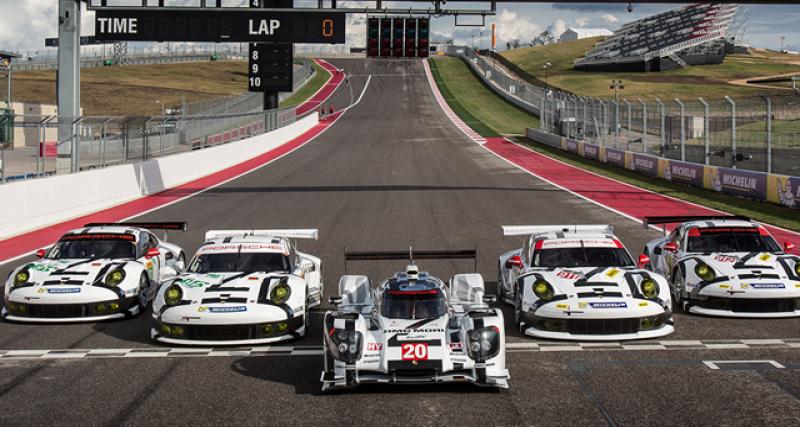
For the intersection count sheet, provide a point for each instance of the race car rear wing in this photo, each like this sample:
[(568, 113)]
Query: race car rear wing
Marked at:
[(527, 230), (310, 233), (158, 225), (411, 255), (655, 220)]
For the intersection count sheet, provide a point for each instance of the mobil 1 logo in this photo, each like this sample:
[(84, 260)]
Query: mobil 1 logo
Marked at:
[(270, 67)]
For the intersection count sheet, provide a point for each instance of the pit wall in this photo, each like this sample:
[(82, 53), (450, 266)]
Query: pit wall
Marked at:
[(35, 203), (764, 187)]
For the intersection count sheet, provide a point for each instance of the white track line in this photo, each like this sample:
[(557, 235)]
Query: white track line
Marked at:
[(292, 351), (341, 113)]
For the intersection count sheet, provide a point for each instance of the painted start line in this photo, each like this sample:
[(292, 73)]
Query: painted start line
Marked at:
[(22, 245), (283, 350)]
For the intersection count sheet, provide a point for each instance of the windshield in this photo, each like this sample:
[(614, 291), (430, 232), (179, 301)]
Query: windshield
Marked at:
[(745, 239), (582, 257), (93, 247), (413, 305), (247, 261)]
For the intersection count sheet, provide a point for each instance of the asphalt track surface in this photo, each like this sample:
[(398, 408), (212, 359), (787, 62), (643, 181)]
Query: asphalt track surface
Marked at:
[(390, 173)]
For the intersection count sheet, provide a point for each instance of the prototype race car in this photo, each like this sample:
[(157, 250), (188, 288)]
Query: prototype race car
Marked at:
[(726, 266), (413, 328), (99, 272), (242, 287), (579, 283)]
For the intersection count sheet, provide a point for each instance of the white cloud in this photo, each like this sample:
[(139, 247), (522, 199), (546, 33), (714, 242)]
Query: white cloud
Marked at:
[(557, 28), (582, 21), (609, 18), (512, 26)]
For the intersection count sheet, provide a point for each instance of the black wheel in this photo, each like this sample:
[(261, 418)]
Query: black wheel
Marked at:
[(678, 287), (144, 289), (499, 283), (518, 310)]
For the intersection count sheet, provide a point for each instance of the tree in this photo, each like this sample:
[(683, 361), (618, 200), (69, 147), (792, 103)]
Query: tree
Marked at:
[(508, 45), (515, 43)]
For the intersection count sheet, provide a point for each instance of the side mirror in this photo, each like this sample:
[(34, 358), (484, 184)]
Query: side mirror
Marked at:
[(152, 253), (643, 260), (671, 247), (788, 246), (41, 253), (335, 300), (515, 261), (490, 299)]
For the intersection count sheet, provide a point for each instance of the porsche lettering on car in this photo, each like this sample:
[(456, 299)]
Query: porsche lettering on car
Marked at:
[(413, 328), (578, 282), (242, 287), (726, 266), (99, 272)]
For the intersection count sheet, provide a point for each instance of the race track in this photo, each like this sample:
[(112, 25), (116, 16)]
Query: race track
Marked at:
[(394, 172)]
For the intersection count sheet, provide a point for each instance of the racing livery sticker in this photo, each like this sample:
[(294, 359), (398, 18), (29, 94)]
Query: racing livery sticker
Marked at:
[(610, 304)]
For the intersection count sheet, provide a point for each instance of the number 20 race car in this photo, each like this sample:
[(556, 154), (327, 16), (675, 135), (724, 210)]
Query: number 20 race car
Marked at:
[(242, 287), (579, 283), (727, 266), (413, 328), (99, 272)]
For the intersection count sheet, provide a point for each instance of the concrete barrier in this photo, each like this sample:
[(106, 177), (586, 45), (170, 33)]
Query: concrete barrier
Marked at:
[(32, 204)]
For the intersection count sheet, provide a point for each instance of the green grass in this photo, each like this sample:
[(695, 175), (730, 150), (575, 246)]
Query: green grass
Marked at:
[(310, 88), (708, 81), (476, 104), (764, 212)]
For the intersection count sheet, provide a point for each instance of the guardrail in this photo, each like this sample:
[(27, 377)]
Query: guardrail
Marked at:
[(757, 133), (765, 187), (99, 142)]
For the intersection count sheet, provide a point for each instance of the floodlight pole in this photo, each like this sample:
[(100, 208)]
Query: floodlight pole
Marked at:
[(69, 81)]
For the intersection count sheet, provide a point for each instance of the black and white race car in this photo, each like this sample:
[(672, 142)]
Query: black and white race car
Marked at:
[(99, 272), (242, 287), (413, 328), (577, 282), (726, 266)]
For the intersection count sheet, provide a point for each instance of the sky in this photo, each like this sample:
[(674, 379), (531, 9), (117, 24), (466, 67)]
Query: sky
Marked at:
[(24, 24)]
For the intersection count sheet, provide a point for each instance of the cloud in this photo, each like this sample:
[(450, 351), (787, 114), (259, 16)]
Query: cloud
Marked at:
[(511, 26), (557, 28), (609, 18), (582, 21)]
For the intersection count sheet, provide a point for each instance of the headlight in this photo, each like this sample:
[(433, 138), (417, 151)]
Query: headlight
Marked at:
[(704, 272), (22, 277), (345, 345), (115, 277), (484, 343), (649, 288), (280, 294), (797, 268), (173, 295), (543, 290)]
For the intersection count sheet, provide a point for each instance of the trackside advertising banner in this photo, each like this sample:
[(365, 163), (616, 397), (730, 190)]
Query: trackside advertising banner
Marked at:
[(774, 188)]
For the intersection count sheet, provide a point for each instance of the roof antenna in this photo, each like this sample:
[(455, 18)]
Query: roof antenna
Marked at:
[(411, 255)]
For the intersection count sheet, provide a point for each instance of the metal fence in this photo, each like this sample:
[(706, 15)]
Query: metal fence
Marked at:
[(249, 102), (97, 142), (757, 133)]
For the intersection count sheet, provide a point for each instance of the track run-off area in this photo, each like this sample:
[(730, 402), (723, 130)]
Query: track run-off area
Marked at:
[(394, 170)]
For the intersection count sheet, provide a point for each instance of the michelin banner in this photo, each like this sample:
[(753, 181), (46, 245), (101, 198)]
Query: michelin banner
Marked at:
[(779, 189)]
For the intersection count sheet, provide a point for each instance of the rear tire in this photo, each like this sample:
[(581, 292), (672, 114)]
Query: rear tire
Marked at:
[(499, 283), (518, 312)]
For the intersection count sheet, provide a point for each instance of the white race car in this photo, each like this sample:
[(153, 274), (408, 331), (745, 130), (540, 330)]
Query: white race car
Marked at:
[(99, 272), (726, 266), (413, 328), (242, 287), (577, 282)]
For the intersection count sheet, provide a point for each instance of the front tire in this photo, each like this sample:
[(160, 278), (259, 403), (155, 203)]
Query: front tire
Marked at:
[(518, 311), (678, 287)]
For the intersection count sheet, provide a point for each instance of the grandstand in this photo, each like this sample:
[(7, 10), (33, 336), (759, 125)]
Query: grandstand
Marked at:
[(690, 35)]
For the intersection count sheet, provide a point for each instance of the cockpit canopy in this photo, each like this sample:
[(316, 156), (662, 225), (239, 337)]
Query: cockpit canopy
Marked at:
[(411, 297)]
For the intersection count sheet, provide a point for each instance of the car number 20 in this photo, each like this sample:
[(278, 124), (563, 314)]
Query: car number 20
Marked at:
[(414, 351)]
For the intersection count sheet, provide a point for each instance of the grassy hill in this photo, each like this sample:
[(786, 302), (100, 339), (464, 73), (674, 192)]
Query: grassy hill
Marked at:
[(133, 89), (709, 81)]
